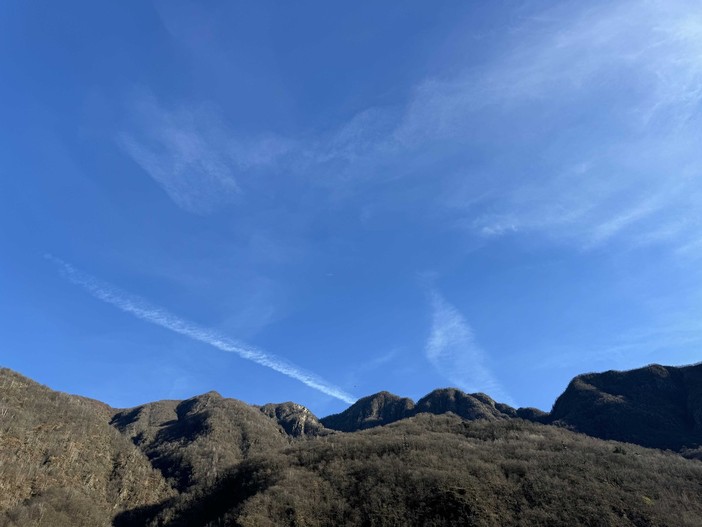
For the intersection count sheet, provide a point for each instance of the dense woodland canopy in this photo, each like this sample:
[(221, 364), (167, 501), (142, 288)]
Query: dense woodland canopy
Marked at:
[(450, 459)]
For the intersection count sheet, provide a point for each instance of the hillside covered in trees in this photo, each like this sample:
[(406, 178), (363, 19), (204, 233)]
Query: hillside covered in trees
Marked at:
[(449, 459)]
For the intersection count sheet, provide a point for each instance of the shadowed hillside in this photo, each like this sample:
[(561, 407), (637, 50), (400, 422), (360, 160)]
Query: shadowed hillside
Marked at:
[(655, 406), (193, 441)]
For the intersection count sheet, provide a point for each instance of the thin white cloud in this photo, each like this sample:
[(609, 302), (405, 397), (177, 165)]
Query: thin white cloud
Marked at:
[(453, 351), (192, 154), (596, 106), (572, 50), (606, 99), (160, 317), (177, 149)]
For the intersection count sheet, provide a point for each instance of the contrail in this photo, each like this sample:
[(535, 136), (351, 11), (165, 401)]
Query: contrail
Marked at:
[(145, 311)]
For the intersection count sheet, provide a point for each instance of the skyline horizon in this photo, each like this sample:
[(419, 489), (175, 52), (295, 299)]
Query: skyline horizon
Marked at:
[(414, 400)]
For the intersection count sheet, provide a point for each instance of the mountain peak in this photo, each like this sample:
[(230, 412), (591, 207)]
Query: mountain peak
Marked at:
[(656, 406), (374, 410), (469, 406)]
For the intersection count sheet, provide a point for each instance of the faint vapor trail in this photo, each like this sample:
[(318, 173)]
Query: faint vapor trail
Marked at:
[(454, 352), (145, 311)]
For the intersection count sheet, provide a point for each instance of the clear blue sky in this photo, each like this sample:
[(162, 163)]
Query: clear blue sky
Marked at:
[(312, 201)]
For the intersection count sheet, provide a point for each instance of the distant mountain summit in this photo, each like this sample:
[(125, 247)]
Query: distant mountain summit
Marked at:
[(468, 406), (656, 406), (384, 408), (375, 410)]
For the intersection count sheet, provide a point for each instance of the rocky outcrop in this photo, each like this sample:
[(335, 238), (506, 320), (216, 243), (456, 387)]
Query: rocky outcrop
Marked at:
[(295, 419)]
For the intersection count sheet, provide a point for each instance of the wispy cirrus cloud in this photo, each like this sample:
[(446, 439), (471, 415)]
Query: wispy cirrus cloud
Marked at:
[(454, 352), (181, 151), (559, 55), (160, 317), (192, 154), (596, 108), (588, 116)]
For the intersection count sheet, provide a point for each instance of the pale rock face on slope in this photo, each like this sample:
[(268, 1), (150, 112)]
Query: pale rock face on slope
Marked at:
[(295, 419)]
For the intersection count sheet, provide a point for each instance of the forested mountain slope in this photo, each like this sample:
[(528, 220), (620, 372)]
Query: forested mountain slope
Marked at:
[(451, 458), (61, 463)]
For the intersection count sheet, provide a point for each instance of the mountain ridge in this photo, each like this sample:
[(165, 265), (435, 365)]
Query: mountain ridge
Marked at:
[(210, 460), (654, 406)]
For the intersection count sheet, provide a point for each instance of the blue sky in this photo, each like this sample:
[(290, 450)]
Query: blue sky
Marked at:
[(315, 202)]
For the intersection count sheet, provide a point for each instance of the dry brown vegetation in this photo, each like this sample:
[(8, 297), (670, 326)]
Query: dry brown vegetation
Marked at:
[(62, 464), (210, 461), (192, 441), (444, 471)]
